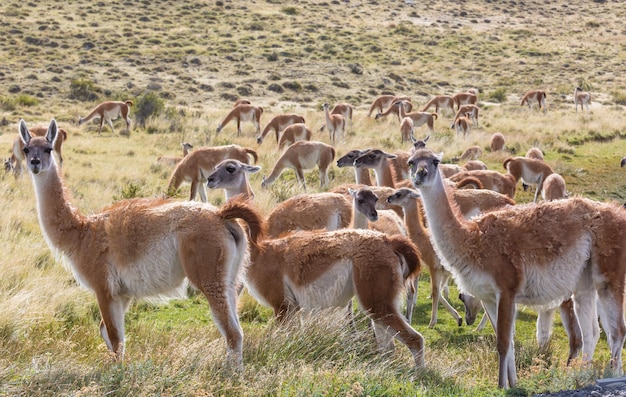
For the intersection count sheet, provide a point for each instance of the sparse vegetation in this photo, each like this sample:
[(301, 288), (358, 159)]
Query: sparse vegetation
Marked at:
[(184, 64)]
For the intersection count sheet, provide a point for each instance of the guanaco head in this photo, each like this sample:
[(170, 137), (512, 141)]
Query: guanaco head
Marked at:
[(365, 202), (38, 150), (419, 144), (472, 307), (230, 174), (402, 195), (372, 158), (347, 160), (8, 165), (422, 164)]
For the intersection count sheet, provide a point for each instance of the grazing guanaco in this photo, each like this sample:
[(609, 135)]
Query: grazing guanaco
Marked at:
[(243, 112), (394, 108), (419, 118), (109, 111), (407, 128), (471, 153), (535, 96), (534, 153), (554, 188), (143, 247), (530, 171), (383, 102), (581, 98), (278, 124), (171, 161), (465, 98), (463, 125), (300, 156), (490, 179), (497, 142), (440, 101), (195, 167), (294, 133), (508, 256), (462, 112)]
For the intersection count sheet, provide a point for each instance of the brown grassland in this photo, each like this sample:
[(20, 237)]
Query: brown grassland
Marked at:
[(183, 64)]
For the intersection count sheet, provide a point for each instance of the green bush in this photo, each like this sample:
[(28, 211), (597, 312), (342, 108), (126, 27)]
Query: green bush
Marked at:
[(148, 105), (84, 89), (499, 95), (27, 100)]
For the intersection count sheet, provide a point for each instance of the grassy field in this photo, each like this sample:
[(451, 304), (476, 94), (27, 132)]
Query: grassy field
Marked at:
[(183, 64)]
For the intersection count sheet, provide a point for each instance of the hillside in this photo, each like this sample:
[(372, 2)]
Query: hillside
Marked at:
[(205, 54)]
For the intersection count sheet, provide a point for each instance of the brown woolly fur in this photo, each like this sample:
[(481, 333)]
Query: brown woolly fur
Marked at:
[(278, 125), (520, 255), (535, 96), (144, 247), (240, 207), (530, 170), (196, 167), (490, 179), (300, 156), (328, 211), (497, 142), (109, 111), (243, 112), (314, 270)]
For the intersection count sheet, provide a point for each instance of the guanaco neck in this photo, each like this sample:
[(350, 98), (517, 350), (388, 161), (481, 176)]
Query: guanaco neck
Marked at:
[(359, 220), (362, 176), (418, 233), (243, 189), (62, 224), (384, 177), (329, 123), (444, 222)]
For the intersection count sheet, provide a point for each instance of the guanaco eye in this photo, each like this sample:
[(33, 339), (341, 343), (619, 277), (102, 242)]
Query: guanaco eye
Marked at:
[(411, 164), (230, 169), (26, 150), (48, 150), (360, 201), (436, 162)]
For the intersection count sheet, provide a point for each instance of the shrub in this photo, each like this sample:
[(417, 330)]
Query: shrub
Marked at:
[(130, 190), (84, 89), (289, 10), (619, 97), (149, 105), (499, 95)]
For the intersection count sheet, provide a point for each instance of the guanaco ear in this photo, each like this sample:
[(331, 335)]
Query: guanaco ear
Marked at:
[(427, 138), (252, 169), (23, 131), (389, 155), (352, 192), (414, 194), (53, 131)]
